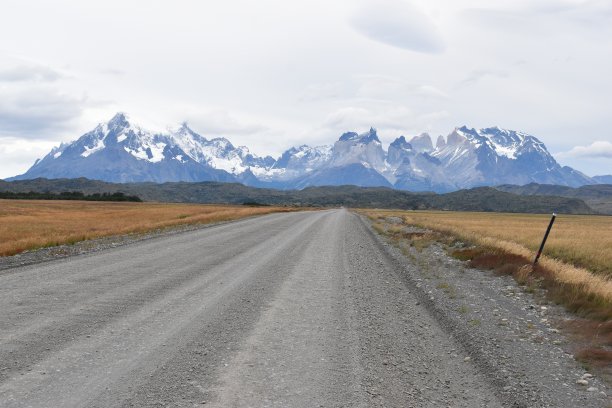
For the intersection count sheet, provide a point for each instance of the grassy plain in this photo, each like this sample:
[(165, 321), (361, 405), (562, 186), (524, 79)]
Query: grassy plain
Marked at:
[(31, 224), (581, 240)]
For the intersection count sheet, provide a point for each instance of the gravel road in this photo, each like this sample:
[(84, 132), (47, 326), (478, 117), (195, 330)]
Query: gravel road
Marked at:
[(301, 309)]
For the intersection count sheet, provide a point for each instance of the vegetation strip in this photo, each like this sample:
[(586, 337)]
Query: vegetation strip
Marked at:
[(69, 195), (27, 225)]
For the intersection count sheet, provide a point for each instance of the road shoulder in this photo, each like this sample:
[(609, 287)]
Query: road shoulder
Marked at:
[(505, 331)]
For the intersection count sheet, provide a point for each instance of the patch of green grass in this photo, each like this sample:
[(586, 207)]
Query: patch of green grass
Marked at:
[(448, 289), (463, 309)]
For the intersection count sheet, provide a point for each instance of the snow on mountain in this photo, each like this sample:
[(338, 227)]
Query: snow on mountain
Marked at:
[(298, 161), (415, 169), (121, 151), (364, 149), (219, 153), (357, 159), (422, 143), (494, 156)]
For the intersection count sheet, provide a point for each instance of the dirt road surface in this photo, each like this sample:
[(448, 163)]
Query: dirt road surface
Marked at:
[(286, 310)]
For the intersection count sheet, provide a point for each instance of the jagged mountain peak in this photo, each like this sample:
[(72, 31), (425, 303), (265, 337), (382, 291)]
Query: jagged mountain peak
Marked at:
[(367, 137), (183, 129), (348, 136), (119, 120), (422, 143), (401, 143)]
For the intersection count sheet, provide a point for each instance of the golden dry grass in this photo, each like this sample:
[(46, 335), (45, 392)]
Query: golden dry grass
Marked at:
[(583, 241), (578, 255), (26, 224)]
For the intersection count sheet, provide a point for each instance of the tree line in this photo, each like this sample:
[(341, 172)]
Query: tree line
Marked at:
[(69, 195)]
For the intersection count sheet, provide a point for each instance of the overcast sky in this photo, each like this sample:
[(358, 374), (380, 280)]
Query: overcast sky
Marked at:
[(271, 74)]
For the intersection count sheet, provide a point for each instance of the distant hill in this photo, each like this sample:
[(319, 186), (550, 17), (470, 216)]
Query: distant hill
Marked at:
[(603, 179), (477, 199), (596, 196)]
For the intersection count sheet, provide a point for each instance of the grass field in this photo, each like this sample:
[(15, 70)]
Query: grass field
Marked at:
[(26, 224), (583, 241)]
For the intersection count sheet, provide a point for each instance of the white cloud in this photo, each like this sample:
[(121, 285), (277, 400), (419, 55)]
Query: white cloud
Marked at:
[(19, 71), (323, 91), (385, 87), (598, 149), (17, 155), (481, 74), (351, 117), (219, 122), (397, 23)]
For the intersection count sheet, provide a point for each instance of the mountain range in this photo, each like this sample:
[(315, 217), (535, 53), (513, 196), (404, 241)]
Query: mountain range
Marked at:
[(121, 151)]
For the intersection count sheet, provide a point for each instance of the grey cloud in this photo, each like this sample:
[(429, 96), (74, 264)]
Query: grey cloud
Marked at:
[(399, 24), (37, 73), (36, 112), (585, 10)]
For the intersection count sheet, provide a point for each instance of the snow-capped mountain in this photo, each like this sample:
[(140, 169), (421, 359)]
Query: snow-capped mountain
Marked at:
[(119, 151), (357, 159), (494, 156), (298, 161), (219, 153)]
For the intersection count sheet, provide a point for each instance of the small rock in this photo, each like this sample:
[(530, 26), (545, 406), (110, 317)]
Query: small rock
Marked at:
[(586, 376), (592, 389), (467, 359), (582, 382)]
